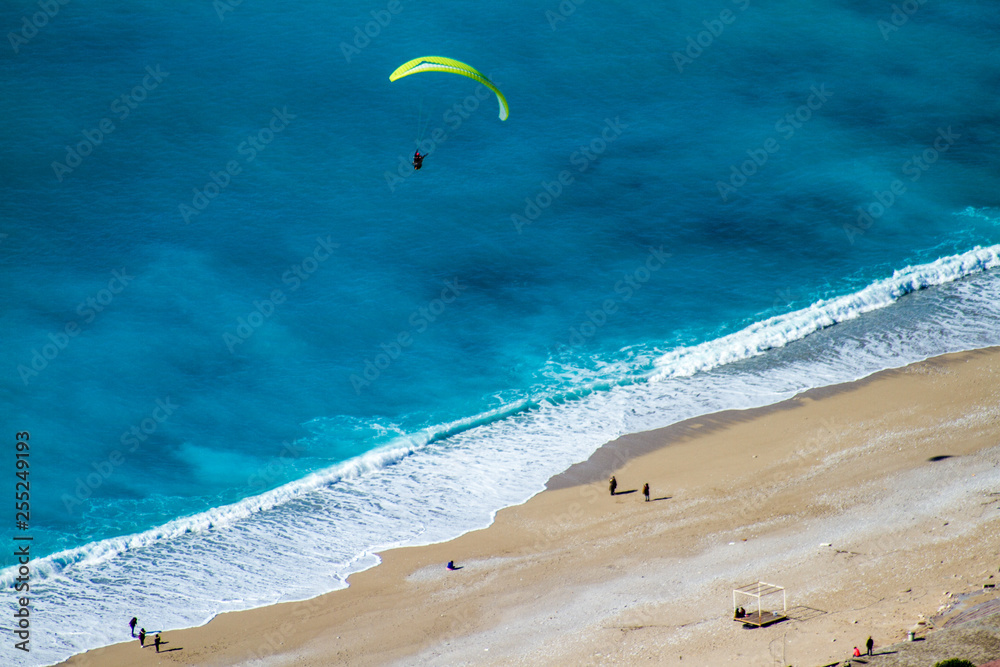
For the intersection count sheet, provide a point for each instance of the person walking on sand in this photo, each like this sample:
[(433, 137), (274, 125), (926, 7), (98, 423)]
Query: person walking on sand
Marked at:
[(131, 625), (156, 640), (645, 491), (870, 644), (612, 484), (142, 637)]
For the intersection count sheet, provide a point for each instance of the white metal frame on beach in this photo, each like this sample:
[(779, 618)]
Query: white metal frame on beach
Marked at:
[(758, 590)]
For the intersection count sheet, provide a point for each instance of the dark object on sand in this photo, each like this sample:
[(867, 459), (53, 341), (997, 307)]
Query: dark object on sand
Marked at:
[(612, 484), (142, 637)]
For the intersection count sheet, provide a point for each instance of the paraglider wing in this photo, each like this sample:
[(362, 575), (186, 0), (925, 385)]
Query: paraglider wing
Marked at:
[(439, 64)]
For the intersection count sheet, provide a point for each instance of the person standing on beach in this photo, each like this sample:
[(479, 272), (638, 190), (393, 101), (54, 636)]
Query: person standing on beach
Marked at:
[(870, 644), (645, 491), (142, 637), (612, 484), (131, 625), (156, 640)]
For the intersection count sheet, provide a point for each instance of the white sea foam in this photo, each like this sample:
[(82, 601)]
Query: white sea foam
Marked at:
[(304, 538), (780, 330)]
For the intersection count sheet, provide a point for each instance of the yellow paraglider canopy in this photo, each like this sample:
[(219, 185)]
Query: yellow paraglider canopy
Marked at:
[(439, 64)]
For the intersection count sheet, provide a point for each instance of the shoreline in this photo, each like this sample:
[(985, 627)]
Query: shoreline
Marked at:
[(567, 561), (630, 446)]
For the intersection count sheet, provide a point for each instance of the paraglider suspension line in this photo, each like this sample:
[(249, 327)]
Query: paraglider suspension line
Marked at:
[(421, 123)]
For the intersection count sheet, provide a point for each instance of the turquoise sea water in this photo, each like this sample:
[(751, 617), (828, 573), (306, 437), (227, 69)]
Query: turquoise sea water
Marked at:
[(252, 346)]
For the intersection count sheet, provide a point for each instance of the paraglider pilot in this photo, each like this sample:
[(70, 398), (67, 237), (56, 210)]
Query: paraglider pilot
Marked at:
[(418, 160)]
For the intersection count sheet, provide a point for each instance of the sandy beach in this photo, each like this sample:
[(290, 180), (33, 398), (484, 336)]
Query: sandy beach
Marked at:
[(875, 504)]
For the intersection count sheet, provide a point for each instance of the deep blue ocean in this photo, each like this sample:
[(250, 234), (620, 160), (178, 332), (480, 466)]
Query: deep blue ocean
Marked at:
[(252, 346)]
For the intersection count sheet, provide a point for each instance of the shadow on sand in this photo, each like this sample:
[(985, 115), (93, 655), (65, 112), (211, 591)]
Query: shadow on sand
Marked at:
[(803, 613)]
